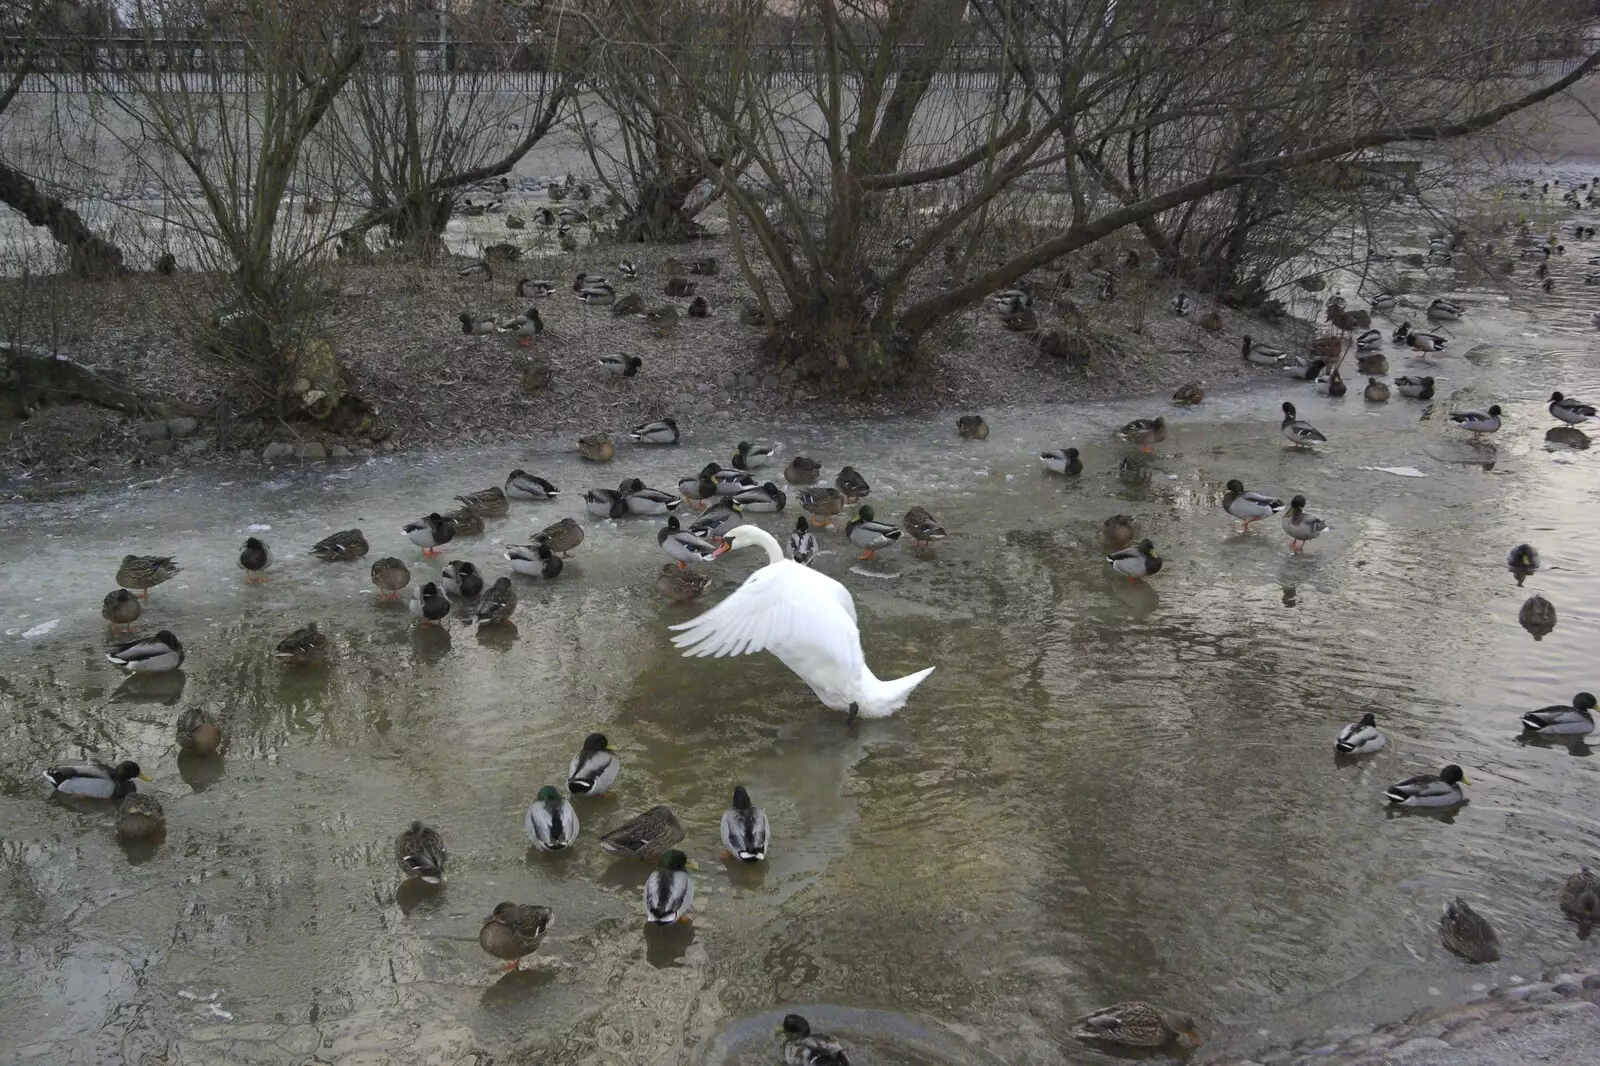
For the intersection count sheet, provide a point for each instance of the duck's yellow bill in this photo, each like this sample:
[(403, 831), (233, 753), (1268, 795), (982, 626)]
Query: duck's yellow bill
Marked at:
[(144, 777)]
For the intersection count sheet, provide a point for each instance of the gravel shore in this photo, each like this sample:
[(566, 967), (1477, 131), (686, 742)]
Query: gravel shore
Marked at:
[(1553, 1020)]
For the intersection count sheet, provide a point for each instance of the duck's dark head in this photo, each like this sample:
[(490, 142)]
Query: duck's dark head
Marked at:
[(1298, 503), (866, 513), (128, 770), (596, 742), (677, 860), (1494, 411), (741, 798), (1369, 719), (548, 794), (1147, 547), (1236, 485), (1453, 775), (168, 637), (1584, 701), (1288, 409), (795, 1026)]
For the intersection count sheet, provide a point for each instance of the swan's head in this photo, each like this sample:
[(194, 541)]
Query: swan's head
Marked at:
[(742, 537)]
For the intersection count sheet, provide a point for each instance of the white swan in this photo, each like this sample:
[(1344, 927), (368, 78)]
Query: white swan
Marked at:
[(807, 620)]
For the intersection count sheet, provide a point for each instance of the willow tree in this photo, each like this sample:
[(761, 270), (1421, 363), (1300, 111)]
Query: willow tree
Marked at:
[(415, 135), (900, 127), (224, 121)]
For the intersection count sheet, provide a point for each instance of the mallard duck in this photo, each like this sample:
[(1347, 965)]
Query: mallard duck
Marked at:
[(120, 608), (1137, 562), (563, 536), (490, 503), (1181, 304), (802, 471), (1117, 532), (1467, 933), (96, 780), (468, 522), (716, 520), (1301, 367), (1249, 507), (645, 836), (642, 500), (1522, 561), (430, 532), (521, 485), (680, 585), (498, 604), (1261, 354), (1211, 322), (668, 891), (1569, 409), (461, 579), (139, 818), (624, 366), (752, 315), (802, 542), (1442, 310), (747, 456), (802, 1047), (531, 289), (868, 534), (762, 499), (684, 546), (1360, 738), (920, 525), (745, 830), (822, 503), (1300, 526), (732, 482), (1576, 720), (678, 287), (1478, 423), (698, 308), (702, 486), (972, 427), (597, 448), (1425, 342), (1133, 470), (1136, 1024), (605, 503), (663, 318), (428, 604), (1189, 395), (1367, 345), (1375, 392), (1580, 898), (514, 930), (254, 559), (661, 431), (1144, 432), (390, 575), (304, 647), (1415, 388), (1429, 790), (477, 325), (1331, 384), (551, 823), (419, 851), (1063, 461), (148, 655), (850, 482), (534, 560), (597, 294), (1300, 434), (144, 572), (631, 304), (1537, 616), (1384, 300), (525, 327), (199, 733), (344, 546), (594, 768)]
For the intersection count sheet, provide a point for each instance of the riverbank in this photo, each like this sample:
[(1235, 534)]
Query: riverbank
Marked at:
[(397, 331), (1554, 1019)]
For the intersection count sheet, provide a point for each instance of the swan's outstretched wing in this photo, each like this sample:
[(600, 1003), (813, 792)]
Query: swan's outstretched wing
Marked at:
[(799, 615)]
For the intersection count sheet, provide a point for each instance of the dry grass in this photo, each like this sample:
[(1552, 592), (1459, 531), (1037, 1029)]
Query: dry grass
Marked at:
[(396, 329)]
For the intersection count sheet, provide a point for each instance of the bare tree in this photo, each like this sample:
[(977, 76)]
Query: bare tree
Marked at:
[(899, 136), (415, 137), (224, 121)]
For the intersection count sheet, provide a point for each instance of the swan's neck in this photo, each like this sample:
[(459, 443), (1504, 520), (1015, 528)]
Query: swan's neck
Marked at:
[(767, 541)]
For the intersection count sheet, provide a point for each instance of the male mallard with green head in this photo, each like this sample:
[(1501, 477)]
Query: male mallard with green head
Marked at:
[(149, 655), (868, 534), (594, 769), (96, 780), (1139, 561), (669, 891), (254, 558)]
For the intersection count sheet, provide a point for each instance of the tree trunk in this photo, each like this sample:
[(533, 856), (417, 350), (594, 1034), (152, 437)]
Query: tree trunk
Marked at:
[(837, 340), (33, 377), (658, 214), (92, 257)]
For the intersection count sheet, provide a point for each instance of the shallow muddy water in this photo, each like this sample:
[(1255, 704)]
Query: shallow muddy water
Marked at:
[(1106, 790)]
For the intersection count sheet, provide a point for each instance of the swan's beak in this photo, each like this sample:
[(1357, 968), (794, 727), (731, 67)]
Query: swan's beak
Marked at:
[(725, 546)]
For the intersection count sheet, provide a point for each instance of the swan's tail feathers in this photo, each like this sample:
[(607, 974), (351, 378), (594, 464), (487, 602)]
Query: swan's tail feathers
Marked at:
[(886, 697)]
